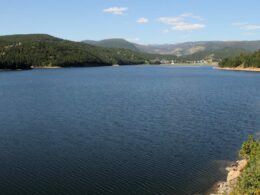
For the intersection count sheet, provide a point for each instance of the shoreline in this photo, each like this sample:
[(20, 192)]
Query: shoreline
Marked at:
[(58, 67), (189, 64), (226, 187), (45, 67), (251, 69)]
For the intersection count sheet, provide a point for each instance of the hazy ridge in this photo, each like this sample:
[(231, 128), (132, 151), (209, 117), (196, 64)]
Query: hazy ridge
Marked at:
[(189, 50)]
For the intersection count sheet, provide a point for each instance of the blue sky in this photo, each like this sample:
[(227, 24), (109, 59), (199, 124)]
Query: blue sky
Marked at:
[(143, 21)]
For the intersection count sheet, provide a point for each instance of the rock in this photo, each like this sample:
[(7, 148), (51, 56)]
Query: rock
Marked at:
[(236, 171), (229, 169), (233, 175), (241, 165), (222, 188)]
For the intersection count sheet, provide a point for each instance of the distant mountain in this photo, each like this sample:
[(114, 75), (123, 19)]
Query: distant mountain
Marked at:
[(190, 50), (215, 54), (114, 43), (215, 50)]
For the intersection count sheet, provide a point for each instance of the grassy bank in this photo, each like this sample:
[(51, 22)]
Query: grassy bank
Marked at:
[(249, 181)]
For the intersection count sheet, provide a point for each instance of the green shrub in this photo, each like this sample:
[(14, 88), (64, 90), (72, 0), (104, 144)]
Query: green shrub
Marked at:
[(249, 181)]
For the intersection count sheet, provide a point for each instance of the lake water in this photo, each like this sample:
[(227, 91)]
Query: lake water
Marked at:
[(125, 130)]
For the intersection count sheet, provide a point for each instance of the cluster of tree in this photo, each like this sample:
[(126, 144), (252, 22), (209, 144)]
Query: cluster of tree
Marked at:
[(26, 51), (249, 181), (244, 60)]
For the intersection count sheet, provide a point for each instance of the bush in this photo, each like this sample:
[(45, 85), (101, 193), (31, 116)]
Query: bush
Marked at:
[(249, 181)]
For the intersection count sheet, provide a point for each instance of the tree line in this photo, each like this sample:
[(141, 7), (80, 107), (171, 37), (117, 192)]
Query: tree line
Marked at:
[(243, 60)]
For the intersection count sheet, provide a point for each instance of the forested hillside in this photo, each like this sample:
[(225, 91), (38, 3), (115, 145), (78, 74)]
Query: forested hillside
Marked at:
[(243, 60), (39, 50), (25, 51)]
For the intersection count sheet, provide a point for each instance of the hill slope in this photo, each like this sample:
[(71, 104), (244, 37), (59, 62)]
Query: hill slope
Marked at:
[(24, 51), (190, 48), (216, 50), (114, 43), (215, 55)]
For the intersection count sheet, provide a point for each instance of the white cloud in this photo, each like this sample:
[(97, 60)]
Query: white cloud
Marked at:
[(169, 20), (142, 20), (188, 27), (135, 40), (116, 10), (247, 26), (179, 22)]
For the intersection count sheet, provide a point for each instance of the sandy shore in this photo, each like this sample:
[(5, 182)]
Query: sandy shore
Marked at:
[(45, 67), (240, 69), (225, 187)]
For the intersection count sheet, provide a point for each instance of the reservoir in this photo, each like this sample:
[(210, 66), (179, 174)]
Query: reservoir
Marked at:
[(123, 130)]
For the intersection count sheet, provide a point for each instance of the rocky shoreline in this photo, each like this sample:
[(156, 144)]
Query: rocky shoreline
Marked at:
[(234, 171), (240, 69)]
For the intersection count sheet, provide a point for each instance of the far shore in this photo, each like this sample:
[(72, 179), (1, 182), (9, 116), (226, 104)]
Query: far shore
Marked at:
[(45, 67), (187, 65), (250, 69)]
